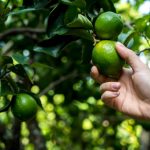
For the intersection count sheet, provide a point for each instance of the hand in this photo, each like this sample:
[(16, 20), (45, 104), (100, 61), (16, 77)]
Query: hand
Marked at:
[(131, 93)]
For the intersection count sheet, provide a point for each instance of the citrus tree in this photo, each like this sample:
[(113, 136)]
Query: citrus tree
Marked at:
[(47, 98)]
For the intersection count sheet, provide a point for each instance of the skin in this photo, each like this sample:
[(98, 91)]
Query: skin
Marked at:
[(131, 93)]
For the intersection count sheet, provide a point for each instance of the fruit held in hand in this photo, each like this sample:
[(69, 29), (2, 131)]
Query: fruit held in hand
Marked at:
[(24, 107), (106, 58), (108, 25)]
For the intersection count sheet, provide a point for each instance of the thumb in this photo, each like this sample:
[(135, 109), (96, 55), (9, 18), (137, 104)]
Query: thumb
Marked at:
[(130, 57)]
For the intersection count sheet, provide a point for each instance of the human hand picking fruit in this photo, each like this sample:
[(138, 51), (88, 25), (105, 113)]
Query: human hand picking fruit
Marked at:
[(126, 90), (130, 94)]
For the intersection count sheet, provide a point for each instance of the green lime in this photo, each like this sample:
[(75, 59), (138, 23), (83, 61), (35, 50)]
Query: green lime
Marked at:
[(108, 25), (106, 58), (24, 107)]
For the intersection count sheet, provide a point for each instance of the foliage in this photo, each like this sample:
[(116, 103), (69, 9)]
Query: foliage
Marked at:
[(45, 49)]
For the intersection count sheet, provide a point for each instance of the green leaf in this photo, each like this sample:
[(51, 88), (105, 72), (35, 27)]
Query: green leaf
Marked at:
[(87, 48), (140, 24), (42, 65), (57, 30), (73, 19), (4, 60), (147, 31), (55, 25), (28, 3), (52, 51), (129, 36), (72, 46), (80, 22), (78, 3), (3, 12), (6, 87), (71, 14), (112, 7), (40, 4), (84, 34), (107, 5), (73, 49), (20, 58), (37, 99), (27, 10), (53, 46), (5, 63), (6, 103), (19, 70)]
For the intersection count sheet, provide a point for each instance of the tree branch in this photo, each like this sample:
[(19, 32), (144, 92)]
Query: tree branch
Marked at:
[(128, 25), (7, 4), (16, 31), (146, 49), (55, 83)]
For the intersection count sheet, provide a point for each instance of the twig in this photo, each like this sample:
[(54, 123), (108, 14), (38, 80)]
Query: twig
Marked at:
[(147, 40), (55, 83), (15, 31), (7, 4), (128, 25), (146, 49)]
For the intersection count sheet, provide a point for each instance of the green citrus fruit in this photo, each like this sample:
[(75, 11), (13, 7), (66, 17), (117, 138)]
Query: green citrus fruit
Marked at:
[(108, 25), (24, 106), (106, 58)]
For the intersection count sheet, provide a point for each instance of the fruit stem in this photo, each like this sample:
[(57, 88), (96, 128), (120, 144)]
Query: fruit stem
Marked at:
[(95, 40)]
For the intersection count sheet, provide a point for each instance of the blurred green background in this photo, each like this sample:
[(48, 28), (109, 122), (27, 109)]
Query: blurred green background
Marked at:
[(49, 41)]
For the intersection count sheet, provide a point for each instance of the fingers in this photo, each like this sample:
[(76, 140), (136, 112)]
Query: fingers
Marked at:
[(110, 86), (130, 57), (110, 91), (97, 76), (109, 98)]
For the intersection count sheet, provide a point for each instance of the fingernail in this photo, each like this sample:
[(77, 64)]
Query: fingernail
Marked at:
[(92, 69), (116, 86)]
